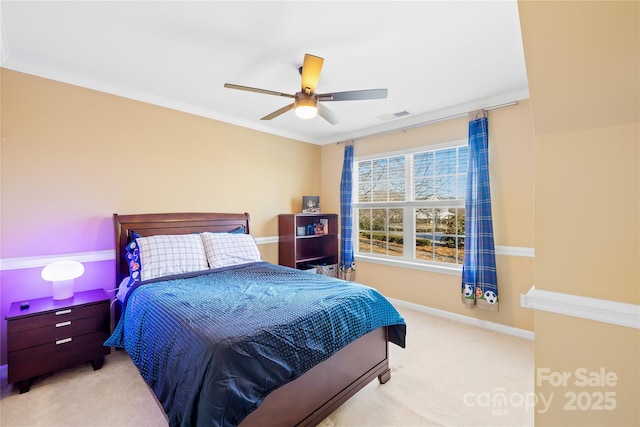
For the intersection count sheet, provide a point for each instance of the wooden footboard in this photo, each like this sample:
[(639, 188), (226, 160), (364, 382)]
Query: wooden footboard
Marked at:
[(309, 399)]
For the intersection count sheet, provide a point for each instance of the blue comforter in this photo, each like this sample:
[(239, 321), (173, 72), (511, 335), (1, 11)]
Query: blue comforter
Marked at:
[(212, 345)]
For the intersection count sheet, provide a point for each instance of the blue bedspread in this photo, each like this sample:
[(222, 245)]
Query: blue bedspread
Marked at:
[(212, 345)]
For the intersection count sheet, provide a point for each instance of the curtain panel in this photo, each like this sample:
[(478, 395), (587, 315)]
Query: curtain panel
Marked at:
[(479, 277), (347, 264)]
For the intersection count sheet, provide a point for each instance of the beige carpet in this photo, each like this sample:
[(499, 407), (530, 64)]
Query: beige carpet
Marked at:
[(450, 374)]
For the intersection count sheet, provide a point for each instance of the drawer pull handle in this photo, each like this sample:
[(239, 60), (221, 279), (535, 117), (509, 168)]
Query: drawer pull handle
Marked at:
[(61, 324), (58, 313), (62, 341)]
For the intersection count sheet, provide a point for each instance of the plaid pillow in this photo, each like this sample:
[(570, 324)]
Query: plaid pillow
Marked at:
[(224, 249), (164, 255)]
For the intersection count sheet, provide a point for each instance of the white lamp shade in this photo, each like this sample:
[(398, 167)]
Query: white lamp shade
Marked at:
[(62, 274), (306, 111), (306, 107)]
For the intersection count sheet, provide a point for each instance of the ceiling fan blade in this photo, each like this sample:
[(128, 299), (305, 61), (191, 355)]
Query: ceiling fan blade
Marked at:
[(311, 68), (354, 95), (253, 89), (328, 115), (278, 112)]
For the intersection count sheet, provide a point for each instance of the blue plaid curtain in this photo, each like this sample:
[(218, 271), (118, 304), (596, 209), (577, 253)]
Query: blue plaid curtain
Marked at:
[(479, 279), (347, 264)]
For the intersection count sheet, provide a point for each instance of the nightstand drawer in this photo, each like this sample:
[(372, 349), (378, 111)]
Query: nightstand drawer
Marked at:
[(49, 357), (54, 317), (44, 335), (54, 332)]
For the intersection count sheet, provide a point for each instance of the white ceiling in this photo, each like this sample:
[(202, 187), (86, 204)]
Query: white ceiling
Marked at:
[(437, 58)]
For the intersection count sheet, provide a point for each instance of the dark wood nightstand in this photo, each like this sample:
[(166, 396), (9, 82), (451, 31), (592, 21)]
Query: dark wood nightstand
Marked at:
[(51, 334)]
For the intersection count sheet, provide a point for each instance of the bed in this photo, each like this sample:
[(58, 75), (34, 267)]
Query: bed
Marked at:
[(202, 345)]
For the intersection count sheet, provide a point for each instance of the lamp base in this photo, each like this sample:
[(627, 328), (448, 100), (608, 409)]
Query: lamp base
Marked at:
[(63, 289)]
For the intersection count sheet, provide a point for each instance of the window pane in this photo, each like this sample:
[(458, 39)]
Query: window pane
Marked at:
[(364, 242), (446, 161), (423, 164), (442, 218), (364, 219), (396, 232), (380, 192), (364, 171), (448, 240), (424, 234), (396, 244), (365, 192), (460, 215), (440, 235), (396, 191), (380, 170), (364, 230), (461, 221), (379, 233), (462, 187), (396, 168), (396, 179), (395, 220), (445, 188), (423, 222), (424, 188), (463, 159), (379, 219)]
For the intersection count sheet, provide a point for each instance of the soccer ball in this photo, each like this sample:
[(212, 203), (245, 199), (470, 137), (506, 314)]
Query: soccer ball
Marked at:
[(468, 291), (490, 297)]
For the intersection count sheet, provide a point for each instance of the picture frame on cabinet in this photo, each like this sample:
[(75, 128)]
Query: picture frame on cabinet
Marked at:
[(310, 204)]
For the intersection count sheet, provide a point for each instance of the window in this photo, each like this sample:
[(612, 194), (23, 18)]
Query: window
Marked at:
[(410, 205)]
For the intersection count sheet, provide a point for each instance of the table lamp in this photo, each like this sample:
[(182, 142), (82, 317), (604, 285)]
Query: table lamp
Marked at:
[(61, 274)]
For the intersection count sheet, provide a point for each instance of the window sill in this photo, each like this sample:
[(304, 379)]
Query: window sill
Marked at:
[(442, 269)]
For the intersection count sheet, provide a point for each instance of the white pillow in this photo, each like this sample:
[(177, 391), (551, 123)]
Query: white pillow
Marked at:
[(164, 255), (225, 249)]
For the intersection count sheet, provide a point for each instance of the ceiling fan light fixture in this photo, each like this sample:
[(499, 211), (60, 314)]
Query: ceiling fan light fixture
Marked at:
[(306, 102), (306, 108)]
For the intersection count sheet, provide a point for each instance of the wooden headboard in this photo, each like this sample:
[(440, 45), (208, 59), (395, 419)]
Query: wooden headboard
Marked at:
[(170, 223)]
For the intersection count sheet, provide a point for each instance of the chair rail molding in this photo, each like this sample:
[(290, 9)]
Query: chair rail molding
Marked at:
[(19, 263), (600, 310), (43, 260)]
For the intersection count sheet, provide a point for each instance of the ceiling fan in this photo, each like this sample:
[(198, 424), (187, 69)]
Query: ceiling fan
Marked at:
[(307, 103)]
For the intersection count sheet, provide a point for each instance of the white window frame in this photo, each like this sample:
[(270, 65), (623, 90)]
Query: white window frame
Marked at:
[(408, 259)]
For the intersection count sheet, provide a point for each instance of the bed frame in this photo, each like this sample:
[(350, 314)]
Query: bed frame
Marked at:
[(307, 400)]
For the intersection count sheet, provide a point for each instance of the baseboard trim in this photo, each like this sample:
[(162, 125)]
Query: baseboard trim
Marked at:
[(484, 324), (600, 310)]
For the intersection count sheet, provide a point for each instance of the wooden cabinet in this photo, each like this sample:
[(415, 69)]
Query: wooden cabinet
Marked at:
[(297, 248), (53, 334)]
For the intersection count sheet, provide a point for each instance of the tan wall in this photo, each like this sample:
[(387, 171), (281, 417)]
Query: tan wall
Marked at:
[(512, 167), (71, 157), (583, 68)]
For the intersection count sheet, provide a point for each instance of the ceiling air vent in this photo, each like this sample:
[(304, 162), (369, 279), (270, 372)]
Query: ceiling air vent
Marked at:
[(392, 116)]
